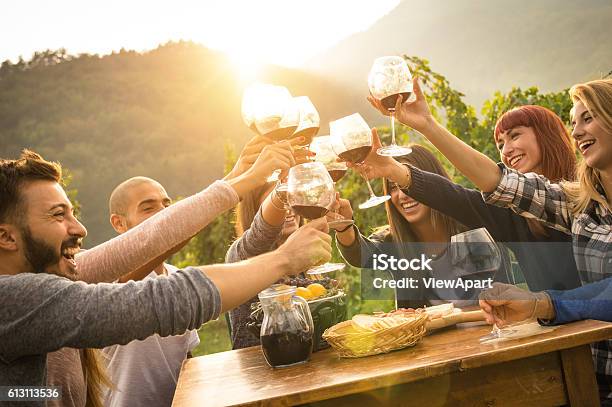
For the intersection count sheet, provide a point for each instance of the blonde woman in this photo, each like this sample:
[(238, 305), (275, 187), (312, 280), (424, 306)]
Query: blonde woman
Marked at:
[(581, 208)]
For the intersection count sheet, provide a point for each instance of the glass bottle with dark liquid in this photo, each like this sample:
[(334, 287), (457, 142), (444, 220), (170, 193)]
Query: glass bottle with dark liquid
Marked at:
[(287, 327)]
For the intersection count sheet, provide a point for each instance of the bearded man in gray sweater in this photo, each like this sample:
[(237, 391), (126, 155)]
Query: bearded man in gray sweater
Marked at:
[(41, 311)]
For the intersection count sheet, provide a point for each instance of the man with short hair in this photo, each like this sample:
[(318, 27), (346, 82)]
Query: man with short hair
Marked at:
[(144, 373), (42, 312)]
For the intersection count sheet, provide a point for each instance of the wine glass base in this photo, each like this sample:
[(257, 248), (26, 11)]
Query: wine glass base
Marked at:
[(374, 201), (326, 268), (394, 151)]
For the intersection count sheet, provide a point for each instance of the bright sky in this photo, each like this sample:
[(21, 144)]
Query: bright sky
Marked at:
[(284, 32)]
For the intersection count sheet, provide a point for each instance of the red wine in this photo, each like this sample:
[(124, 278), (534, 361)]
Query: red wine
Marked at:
[(336, 175), (281, 134), (356, 155), (286, 348), (310, 211), (308, 134), (390, 101)]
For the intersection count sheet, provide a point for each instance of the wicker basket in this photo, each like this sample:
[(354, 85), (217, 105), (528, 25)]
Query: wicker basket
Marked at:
[(351, 341)]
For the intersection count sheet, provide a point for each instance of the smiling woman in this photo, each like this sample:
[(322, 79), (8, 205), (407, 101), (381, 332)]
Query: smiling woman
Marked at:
[(533, 139)]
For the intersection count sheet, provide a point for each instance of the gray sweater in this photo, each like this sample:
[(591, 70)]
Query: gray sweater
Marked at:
[(40, 313), (260, 238)]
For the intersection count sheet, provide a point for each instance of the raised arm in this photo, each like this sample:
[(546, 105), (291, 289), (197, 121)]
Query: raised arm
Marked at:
[(259, 238), (47, 312), (465, 205), (477, 167), (154, 240)]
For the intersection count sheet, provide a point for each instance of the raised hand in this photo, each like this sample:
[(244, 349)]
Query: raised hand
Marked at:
[(249, 155), (414, 114), (277, 156), (379, 166), (340, 210), (309, 246)]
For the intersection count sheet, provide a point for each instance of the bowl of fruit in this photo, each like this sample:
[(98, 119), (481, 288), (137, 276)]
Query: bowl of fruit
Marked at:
[(326, 300)]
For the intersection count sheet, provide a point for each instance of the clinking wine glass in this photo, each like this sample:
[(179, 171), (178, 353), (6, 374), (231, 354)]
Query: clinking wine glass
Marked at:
[(250, 97), (351, 139), (322, 147), (311, 194), (270, 111), (388, 79), (309, 124)]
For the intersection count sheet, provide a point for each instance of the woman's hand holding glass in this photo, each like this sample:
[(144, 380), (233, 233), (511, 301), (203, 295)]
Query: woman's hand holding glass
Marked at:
[(414, 114), (351, 139), (249, 155), (342, 210), (380, 166)]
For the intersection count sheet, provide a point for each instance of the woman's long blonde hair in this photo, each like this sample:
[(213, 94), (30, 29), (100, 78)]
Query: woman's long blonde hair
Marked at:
[(597, 99), (96, 377)]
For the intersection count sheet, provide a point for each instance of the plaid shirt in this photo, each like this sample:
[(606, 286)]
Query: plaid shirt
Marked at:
[(531, 195)]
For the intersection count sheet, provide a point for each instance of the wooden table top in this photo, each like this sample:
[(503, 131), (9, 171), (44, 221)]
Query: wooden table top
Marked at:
[(242, 377)]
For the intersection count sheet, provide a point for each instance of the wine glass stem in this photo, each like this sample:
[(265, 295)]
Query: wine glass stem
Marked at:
[(392, 115), (369, 186)]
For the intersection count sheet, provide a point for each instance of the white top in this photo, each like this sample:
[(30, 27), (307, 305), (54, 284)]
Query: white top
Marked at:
[(145, 373)]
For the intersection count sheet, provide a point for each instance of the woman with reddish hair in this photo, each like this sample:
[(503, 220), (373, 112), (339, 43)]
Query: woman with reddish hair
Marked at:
[(536, 140), (529, 139)]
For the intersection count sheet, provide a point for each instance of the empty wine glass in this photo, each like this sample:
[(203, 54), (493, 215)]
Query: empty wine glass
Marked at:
[(308, 126), (388, 79), (322, 147), (352, 141), (311, 194)]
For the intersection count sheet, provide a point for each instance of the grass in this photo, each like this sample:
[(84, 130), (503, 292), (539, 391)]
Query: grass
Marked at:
[(214, 338)]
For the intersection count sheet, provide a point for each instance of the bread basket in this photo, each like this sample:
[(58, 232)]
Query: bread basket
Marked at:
[(352, 340)]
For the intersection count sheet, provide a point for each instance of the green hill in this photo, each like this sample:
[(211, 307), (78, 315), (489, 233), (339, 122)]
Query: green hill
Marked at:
[(166, 114)]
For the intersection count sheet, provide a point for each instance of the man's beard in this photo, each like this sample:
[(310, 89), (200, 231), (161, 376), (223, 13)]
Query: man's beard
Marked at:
[(38, 253)]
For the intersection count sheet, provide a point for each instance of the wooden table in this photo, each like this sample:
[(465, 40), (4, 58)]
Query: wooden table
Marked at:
[(448, 367)]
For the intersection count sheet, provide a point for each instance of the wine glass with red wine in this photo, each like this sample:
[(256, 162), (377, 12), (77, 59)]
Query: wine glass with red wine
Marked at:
[(389, 78), (270, 111), (322, 147), (250, 97), (308, 126), (352, 141), (311, 194)]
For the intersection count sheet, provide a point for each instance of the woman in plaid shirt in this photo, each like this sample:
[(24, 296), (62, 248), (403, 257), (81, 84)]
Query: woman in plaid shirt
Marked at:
[(582, 208)]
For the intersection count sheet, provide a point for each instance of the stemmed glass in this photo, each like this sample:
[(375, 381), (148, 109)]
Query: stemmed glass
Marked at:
[(308, 126), (476, 251), (311, 194), (270, 111), (351, 139), (322, 147), (388, 79)]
